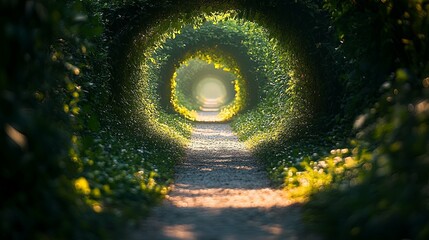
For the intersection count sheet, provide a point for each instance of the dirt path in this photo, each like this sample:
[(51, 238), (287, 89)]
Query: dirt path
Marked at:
[(221, 192)]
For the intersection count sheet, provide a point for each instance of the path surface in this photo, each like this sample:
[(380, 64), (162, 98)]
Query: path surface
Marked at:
[(208, 116), (221, 192)]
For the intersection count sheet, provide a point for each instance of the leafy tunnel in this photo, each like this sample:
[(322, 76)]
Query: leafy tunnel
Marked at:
[(263, 65), (98, 100)]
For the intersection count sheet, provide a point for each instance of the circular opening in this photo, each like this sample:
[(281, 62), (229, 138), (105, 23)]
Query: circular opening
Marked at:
[(211, 94), (201, 84)]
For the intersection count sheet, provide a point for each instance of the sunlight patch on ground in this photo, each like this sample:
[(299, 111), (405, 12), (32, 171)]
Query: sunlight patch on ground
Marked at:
[(180, 231), (221, 192), (208, 116), (224, 198)]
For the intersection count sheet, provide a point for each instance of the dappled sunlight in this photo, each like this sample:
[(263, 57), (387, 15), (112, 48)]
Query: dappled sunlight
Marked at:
[(179, 231), (228, 223), (106, 106), (185, 196), (221, 192)]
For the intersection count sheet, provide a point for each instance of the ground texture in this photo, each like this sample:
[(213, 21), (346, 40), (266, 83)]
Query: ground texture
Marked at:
[(221, 192)]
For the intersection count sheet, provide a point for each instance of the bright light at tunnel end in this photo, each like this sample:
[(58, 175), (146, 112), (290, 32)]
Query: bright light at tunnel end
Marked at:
[(211, 93)]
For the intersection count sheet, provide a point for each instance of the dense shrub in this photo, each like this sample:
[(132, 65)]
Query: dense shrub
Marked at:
[(331, 95), (71, 168), (37, 78), (387, 189)]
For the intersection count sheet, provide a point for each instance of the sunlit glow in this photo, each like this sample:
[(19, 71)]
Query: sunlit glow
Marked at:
[(207, 87), (16, 136), (211, 93), (82, 185)]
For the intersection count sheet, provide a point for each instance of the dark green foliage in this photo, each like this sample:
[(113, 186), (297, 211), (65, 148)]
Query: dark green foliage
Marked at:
[(61, 89), (38, 199), (76, 108), (57, 124), (296, 107), (382, 61), (126, 160), (212, 37), (390, 40)]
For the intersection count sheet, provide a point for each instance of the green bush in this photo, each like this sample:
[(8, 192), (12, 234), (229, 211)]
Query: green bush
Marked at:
[(335, 103), (39, 200), (71, 169), (390, 192)]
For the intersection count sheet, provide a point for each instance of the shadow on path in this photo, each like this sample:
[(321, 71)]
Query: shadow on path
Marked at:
[(221, 192)]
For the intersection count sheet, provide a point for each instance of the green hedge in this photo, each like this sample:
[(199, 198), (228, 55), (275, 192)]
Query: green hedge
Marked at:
[(387, 189), (37, 73), (88, 142)]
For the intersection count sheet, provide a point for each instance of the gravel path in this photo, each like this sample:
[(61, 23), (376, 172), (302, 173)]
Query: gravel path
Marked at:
[(221, 192), (210, 116)]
